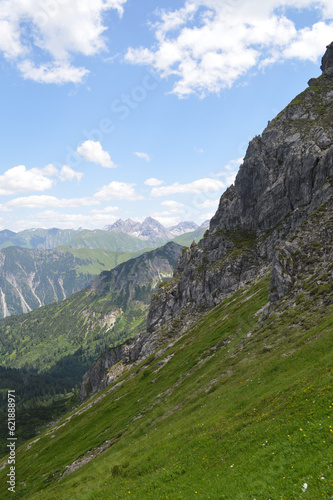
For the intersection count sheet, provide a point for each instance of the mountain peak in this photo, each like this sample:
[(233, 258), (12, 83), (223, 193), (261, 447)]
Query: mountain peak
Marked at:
[(327, 60)]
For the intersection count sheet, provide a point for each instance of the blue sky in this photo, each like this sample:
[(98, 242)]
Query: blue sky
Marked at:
[(121, 109)]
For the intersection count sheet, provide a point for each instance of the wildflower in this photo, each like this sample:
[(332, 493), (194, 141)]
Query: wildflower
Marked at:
[(305, 487)]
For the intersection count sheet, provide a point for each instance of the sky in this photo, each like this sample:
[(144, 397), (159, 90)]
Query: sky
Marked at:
[(117, 109)]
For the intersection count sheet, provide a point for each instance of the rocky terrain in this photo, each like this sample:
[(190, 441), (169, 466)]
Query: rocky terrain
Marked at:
[(266, 222), (30, 279), (183, 228), (149, 229)]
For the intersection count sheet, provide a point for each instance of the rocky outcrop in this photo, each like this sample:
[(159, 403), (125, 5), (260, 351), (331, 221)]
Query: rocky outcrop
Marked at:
[(150, 229), (183, 228), (283, 184), (285, 176), (31, 278), (134, 277), (327, 61)]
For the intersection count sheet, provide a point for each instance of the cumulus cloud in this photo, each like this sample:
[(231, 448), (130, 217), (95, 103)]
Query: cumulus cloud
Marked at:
[(207, 45), (153, 182), (67, 173), (117, 191), (195, 187), (58, 30), (93, 151), (53, 218), (143, 156), (172, 205), (20, 180), (42, 201), (105, 210), (59, 72), (207, 204)]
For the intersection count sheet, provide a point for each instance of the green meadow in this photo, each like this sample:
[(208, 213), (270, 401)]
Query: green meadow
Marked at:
[(236, 408)]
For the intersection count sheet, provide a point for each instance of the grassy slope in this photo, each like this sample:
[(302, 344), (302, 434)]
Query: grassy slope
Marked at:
[(45, 336), (187, 238), (229, 416), (98, 260), (110, 240)]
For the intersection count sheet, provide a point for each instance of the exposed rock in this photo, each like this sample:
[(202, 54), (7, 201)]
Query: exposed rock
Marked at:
[(327, 60), (183, 228), (286, 176), (150, 229)]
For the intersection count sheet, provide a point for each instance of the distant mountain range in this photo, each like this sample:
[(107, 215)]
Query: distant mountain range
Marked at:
[(42, 266), (121, 236), (150, 228), (66, 337)]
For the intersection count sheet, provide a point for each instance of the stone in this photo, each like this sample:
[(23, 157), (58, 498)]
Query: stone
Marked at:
[(327, 60)]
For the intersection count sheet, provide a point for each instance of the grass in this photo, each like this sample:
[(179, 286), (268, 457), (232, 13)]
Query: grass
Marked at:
[(233, 410), (98, 260)]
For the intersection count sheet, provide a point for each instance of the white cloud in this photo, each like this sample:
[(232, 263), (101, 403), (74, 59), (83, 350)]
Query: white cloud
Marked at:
[(207, 204), (209, 44), (143, 156), (20, 180), (43, 201), (52, 218), (117, 191), (195, 187), (230, 171), (57, 29), (93, 151), (67, 173), (172, 205), (50, 170), (59, 72), (153, 182), (105, 210), (310, 42), (165, 219)]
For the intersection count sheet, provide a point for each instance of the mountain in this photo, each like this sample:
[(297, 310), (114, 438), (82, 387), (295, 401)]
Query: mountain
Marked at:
[(6, 235), (116, 241), (228, 392), (187, 239), (70, 334), (30, 279), (39, 238), (93, 239), (149, 230), (285, 177), (205, 224), (183, 227), (129, 226)]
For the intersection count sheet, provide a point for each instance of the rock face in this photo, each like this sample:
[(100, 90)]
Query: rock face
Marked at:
[(30, 279), (264, 221), (327, 61), (183, 228), (286, 175), (150, 229), (148, 270)]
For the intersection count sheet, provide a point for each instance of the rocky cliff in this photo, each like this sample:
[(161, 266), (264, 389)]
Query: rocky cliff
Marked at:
[(286, 175), (270, 221), (30, 279)]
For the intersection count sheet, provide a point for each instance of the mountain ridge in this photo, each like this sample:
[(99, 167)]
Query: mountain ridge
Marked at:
[(249, 234)]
